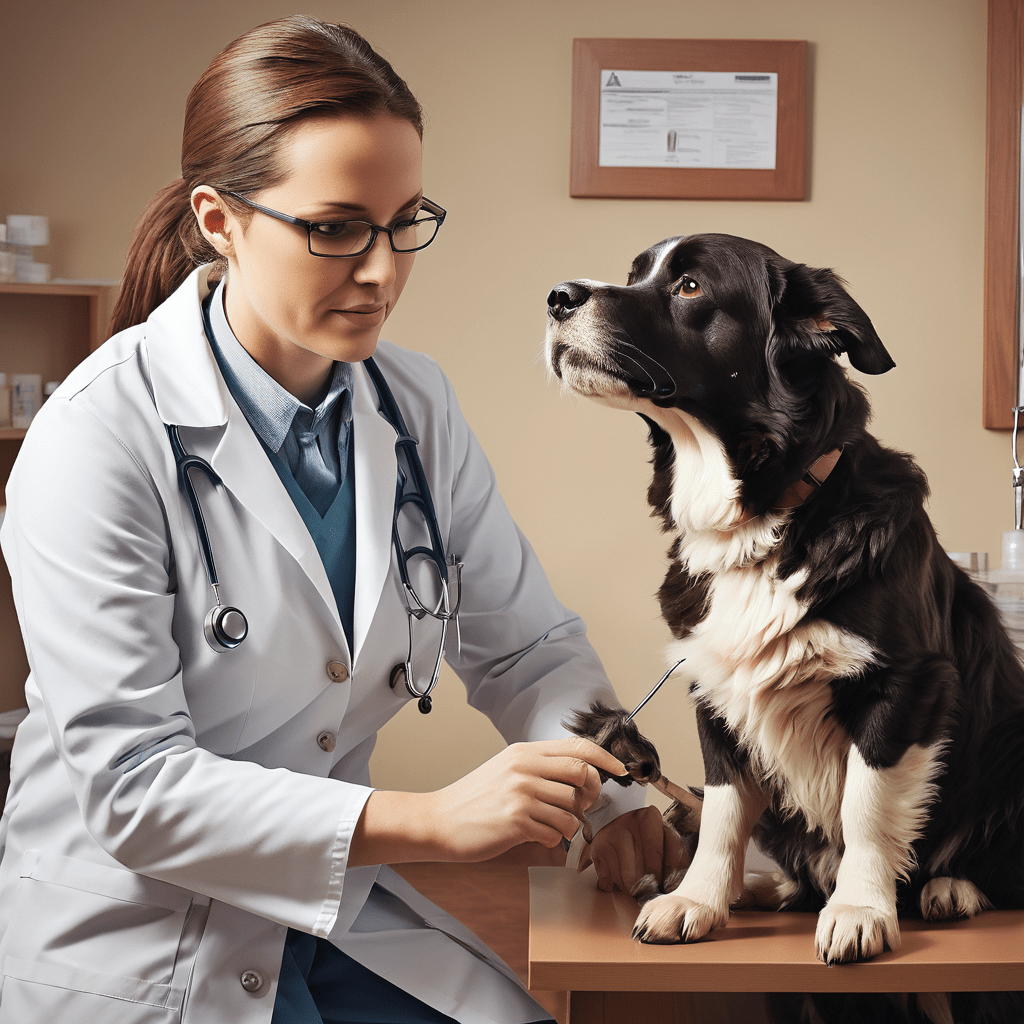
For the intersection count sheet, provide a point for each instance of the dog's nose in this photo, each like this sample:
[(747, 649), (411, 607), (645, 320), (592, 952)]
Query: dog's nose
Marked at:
[(566, 297)]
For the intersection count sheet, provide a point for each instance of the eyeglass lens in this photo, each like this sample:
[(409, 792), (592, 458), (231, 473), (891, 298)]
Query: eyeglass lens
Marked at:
[(346, 238)]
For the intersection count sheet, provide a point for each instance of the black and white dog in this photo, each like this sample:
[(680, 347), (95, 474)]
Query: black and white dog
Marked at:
[(860, 708)]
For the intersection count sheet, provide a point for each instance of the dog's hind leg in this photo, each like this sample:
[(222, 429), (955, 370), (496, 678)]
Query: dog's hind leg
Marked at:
[(766, 890), (944, 898)]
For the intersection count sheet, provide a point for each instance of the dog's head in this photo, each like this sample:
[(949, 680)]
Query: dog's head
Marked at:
[(725, 333)]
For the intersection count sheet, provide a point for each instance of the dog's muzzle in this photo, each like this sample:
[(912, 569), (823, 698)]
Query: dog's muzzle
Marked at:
[(565, 298)]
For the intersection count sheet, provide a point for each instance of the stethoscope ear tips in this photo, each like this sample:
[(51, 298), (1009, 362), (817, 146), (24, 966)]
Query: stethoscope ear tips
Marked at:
[(225, 628)]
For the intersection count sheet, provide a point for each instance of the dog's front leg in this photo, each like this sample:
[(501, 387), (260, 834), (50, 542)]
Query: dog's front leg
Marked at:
[(732, 804), (882, 811)]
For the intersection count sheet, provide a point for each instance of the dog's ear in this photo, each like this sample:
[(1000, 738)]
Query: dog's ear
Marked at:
[(813, 313)]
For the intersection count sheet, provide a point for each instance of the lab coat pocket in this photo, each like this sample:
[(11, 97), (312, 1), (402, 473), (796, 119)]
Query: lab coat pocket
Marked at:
[(45, 992), (81, 929)]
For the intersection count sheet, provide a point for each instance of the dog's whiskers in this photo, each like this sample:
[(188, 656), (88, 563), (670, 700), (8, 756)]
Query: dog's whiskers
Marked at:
[(660, 390)]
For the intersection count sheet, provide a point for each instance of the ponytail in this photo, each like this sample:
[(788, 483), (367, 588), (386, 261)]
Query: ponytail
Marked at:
[(166, 246), (236, 117)]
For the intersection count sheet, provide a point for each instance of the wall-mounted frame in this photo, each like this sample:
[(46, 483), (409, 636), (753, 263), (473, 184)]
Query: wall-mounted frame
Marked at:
[(1002, 196), (785, 58)]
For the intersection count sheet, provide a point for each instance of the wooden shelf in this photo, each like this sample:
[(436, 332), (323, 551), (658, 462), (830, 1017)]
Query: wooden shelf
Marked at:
[(11, 433), (57, 287)]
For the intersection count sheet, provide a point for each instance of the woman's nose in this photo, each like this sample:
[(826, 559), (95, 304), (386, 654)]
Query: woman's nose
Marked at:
[(377, 264)]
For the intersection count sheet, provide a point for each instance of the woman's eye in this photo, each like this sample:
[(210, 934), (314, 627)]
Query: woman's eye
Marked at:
[(689, 288), (406, 224), (335, 229)]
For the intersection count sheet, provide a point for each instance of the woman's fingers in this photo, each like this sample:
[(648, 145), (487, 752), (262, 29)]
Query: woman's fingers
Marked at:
[(652, 842), (606, 864), (633, 845), (575, 761), (530, 792), (587, 750)]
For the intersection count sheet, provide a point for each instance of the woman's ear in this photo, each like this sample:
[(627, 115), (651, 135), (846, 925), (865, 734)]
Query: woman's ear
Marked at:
[(214, 218)]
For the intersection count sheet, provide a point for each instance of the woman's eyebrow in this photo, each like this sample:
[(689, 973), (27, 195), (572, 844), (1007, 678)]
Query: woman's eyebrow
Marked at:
[(357, 208)]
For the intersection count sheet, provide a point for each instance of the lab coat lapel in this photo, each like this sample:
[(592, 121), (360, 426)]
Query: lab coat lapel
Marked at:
[(189, 390), (376, 478), (248, 474)]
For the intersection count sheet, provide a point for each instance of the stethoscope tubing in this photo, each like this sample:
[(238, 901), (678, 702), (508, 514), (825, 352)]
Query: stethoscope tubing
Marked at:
[(226, 627), (406, 445), (185, 463)]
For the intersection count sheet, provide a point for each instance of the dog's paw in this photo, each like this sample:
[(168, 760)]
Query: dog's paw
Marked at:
[(613, 729), (675, 918), (767, 890), (847, 933), (646, 889), (944, 898)]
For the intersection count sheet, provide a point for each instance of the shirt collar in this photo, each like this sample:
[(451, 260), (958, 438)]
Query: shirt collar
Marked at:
[(269, 408)]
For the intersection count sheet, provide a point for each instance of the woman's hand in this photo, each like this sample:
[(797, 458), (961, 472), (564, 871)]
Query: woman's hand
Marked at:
[(530, 792), (635, 844)]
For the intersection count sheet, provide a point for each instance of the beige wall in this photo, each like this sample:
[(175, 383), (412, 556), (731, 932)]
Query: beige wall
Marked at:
[(92, 96)]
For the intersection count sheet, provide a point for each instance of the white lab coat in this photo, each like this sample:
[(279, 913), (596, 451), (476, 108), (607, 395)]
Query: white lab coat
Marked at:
[(171, 810)]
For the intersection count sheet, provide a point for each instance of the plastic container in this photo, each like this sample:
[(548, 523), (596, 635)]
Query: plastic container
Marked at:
[(26, 397), (8, 258), (23, 229), (28, 271), (1005, 586)]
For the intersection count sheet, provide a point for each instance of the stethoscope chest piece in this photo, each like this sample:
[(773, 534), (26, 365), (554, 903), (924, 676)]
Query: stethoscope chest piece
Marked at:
[(225, 627)]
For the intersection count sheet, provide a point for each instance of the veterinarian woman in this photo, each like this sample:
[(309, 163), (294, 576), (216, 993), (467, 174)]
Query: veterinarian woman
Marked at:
[(191, 833)]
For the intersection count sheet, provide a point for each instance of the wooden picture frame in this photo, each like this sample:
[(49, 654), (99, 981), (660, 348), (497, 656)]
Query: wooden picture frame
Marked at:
[(788, 58), (1002, 184)]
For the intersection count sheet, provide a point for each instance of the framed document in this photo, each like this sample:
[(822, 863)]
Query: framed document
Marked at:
[(689, 119)]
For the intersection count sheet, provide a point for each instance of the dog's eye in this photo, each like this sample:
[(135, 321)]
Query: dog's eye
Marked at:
[(689, 288)]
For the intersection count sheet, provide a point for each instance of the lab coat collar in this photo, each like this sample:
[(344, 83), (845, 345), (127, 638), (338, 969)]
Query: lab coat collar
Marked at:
[(189, 390), (187, 385)]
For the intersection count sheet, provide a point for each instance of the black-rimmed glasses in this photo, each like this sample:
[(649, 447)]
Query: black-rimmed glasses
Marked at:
[(347, 238)]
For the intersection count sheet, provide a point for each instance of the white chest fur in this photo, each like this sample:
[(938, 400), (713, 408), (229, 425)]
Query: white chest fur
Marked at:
[(755, 658), (765, 669)]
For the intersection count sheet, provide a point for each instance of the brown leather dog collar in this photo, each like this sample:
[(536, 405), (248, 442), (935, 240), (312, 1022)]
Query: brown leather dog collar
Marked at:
[(795, 495), (811, 481)]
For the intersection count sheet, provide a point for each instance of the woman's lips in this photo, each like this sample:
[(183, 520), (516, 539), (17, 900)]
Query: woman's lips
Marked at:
[(364, 316)]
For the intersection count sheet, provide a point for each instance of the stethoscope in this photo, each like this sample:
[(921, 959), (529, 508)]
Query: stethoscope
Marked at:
[(225, 626)]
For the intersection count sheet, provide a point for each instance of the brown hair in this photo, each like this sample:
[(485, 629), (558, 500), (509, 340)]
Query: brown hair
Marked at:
[(237, 116)]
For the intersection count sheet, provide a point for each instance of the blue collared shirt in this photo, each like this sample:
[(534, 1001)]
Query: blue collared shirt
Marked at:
[(278, 418)]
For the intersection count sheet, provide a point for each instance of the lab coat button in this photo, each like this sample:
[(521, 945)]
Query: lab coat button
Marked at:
[(326, 740), (337, 671), (252, 981)]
